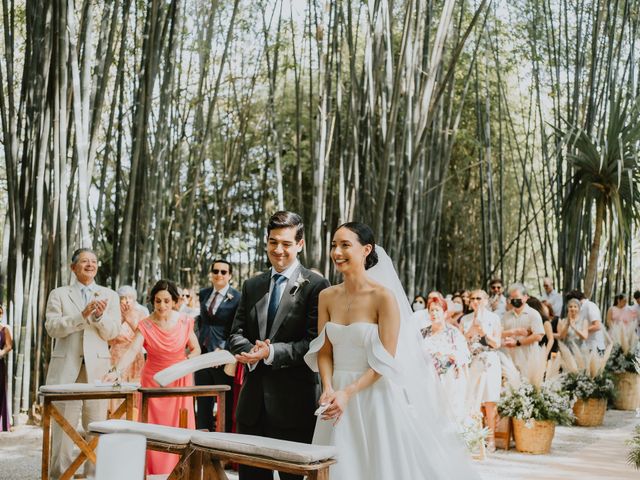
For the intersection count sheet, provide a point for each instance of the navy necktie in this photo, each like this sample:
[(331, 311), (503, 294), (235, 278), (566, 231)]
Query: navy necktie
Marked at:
[(278, 283)]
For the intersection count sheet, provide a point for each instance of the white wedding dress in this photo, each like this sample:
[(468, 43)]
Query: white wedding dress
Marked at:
[(398, 427)]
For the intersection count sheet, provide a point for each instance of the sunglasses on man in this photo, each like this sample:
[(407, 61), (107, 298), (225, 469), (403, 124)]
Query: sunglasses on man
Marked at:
[(215, 271)]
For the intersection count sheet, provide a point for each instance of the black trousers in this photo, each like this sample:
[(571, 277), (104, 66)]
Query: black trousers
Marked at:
[(265, 428), (204, 405)]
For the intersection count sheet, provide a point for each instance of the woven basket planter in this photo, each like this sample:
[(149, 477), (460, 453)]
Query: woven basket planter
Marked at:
[(535, 438), (590, 412), (628, 391)]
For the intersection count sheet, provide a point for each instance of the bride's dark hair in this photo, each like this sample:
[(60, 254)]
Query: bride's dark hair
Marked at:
[(365, 237)]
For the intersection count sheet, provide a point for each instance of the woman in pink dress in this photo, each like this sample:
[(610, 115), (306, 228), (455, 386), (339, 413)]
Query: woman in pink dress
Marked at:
[(165, 335), (620, 312)]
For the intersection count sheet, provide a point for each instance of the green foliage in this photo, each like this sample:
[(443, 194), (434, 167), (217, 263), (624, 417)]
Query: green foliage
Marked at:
[(634, 453), (619, 362), (581, 386)]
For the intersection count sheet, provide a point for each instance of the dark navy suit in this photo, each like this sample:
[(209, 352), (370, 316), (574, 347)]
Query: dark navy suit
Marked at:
[(278, 400), (213, 331)]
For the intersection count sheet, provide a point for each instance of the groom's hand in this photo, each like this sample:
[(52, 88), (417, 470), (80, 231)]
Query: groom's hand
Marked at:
[(260, 351)]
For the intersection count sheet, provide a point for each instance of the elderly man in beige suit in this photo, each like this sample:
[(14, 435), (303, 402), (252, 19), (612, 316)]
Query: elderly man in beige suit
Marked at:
[(81, 318)]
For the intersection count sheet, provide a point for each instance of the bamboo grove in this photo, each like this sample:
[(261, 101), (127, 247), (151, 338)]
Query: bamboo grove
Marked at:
[(479, 138)]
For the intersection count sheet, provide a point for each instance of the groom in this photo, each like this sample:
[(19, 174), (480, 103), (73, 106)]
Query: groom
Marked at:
[(276, 320)]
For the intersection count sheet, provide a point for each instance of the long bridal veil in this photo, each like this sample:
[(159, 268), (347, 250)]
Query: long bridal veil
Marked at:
[(413, 372)]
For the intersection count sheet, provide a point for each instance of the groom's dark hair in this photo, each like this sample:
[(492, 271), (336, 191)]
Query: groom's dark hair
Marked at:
[(284, 219)]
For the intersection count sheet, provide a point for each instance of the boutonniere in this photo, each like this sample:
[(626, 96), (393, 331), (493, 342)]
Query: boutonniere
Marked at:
[(228, 297), (300, 282)]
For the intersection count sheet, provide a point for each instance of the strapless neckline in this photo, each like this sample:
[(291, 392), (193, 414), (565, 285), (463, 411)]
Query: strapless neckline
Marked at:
[(352, 323)]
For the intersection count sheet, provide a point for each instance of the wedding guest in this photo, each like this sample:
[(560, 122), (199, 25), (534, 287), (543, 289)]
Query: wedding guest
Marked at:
[(218, 306), (6, 345), (81, 318), (636, 309), (590, 312), (455, 310), (550, 295), (190, 304), (482, 331), (553, 321), (420, 313), (620, 312), (497, 300), (466, 308), (165, 335), (450, 353), (573, 328), (130, 316), (548, 341), (522, 327), (419, 303)]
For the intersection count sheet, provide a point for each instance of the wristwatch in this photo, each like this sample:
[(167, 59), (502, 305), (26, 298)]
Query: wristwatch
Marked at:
[(518, 343)]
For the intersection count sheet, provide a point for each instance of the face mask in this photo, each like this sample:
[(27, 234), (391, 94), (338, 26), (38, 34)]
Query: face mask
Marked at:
[(515, 302), (417, 306)]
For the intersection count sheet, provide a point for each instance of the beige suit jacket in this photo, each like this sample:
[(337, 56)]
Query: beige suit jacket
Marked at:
[(76, 338)]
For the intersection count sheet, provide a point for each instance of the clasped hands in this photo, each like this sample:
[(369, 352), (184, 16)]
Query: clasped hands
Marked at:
[(333, 404), (510, 341), (95, 307), (260, 351)]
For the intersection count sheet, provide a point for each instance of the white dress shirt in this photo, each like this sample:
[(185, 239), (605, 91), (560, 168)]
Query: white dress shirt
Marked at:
[(287, 274), (219, 298), (555, 299), (590, 312)]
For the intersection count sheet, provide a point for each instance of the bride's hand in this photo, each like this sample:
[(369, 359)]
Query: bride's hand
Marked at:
[(327, 396), (337, 406)]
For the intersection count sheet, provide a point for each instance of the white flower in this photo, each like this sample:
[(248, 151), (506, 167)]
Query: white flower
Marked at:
[(300, 282), (229, 297)]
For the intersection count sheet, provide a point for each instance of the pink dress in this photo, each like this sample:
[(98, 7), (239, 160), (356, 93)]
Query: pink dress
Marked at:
[(164, 348)]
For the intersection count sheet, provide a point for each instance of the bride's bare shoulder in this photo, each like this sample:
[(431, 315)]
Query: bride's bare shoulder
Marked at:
[(330, 292)]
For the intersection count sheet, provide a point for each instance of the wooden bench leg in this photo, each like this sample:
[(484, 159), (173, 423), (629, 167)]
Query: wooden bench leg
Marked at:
[(182, 469), (212, 469), (322, 474), (46, 437), (182, 423)]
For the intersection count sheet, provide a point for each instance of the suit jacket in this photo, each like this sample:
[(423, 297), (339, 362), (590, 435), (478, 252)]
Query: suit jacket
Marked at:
[(76, 338), (288, 389), (214, 330)]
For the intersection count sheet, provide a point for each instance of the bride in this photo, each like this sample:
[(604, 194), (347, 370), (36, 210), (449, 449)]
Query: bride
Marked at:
[(381, 405)]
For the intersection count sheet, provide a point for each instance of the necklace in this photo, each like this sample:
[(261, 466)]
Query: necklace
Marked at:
[(349, 301)]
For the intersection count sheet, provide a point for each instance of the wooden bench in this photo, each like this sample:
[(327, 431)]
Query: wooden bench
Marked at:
[(217, 391), (202, 453), (78, 391)]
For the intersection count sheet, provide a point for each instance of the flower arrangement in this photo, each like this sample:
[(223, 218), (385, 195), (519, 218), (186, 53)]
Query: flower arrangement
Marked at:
[(581, 386), (530, 403), (533, 391), (585, 375), (472, 432), (625, 354)]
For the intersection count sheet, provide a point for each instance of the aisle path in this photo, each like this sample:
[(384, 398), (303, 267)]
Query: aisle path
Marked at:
[(585, 453), (577, 453)]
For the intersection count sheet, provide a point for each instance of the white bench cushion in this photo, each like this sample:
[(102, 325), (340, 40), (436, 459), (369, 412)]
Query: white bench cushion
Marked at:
[(88, 388), (159, 433), (263, 447)]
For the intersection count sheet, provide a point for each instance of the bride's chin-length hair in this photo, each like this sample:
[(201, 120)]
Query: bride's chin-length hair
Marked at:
[(365, 237)]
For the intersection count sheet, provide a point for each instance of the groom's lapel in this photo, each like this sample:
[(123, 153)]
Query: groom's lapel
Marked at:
[(285, 302), (262, 305)]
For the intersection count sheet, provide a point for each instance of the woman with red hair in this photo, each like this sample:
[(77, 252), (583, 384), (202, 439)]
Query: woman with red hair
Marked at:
[(450, 354)]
